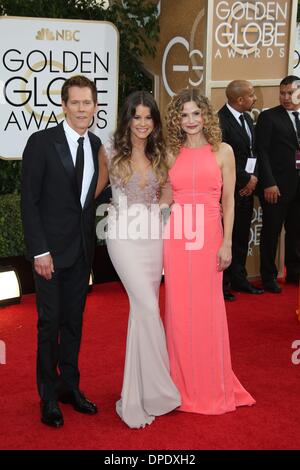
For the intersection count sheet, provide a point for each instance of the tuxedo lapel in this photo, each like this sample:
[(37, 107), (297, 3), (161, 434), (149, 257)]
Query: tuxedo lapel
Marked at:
[(233, 123), (65, 156), (288, 125)]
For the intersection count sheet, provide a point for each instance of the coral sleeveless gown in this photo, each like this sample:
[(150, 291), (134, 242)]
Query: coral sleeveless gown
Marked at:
[(196, 324)]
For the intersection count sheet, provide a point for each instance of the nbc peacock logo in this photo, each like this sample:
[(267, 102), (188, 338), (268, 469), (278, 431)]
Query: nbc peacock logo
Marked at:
[(46, 34)]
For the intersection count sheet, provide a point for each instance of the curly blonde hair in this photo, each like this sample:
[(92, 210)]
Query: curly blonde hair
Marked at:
[(155, 149), (176, 136)]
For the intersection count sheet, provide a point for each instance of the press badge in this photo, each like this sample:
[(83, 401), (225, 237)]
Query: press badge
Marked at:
[(250, 165), (297, 159)]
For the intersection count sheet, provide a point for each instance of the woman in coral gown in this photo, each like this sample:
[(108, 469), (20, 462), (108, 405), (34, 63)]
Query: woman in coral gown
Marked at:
[(197, 249), (135, 163)]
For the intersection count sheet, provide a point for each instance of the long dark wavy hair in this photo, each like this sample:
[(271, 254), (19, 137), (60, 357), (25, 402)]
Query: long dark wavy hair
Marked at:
[(155, 146)]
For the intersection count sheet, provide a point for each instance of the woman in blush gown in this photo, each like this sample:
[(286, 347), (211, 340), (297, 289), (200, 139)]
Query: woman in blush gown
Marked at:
[(197, 249), (135, 163)]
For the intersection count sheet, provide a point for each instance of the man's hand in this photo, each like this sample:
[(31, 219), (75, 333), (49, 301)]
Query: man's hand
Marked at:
[(271, 194), (44, 266), (250, 187)]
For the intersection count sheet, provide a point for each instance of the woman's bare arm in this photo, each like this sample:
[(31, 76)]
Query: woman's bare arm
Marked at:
[(103, 177), (226, 161)]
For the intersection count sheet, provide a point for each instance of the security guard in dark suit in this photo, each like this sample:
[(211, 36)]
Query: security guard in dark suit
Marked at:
[(238, 131), (278, 137)]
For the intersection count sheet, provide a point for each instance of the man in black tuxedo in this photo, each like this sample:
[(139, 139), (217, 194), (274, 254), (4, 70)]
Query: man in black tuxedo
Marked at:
[(278, 137), (59, 176), (237, 131)]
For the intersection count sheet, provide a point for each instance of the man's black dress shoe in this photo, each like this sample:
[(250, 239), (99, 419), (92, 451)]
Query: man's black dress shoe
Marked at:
[(228, 296), (79, 402), (249, 288), (272, 286), (51, 414)]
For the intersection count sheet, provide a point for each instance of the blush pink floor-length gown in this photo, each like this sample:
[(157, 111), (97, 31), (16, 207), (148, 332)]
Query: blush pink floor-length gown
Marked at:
[(196, 324), (148, 390)]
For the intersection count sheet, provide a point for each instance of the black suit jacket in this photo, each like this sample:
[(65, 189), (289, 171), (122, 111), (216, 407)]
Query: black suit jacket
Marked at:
[(53, 219), (233, 134), (276, 144)]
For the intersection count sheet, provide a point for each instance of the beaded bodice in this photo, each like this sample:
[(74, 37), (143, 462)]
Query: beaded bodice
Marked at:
[(135, 192)]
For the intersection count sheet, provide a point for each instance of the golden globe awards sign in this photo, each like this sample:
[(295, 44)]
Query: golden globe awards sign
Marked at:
[(213, 42), (246, 28), (36, 57), (251, 37)]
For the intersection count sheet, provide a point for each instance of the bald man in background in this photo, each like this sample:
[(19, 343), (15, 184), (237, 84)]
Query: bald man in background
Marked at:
[(238, 131)]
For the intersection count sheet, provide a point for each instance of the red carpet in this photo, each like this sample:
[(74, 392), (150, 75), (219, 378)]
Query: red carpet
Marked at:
[(262, 329)]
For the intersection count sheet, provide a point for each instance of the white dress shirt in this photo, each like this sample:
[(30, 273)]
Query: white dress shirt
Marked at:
[(72, 138)]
